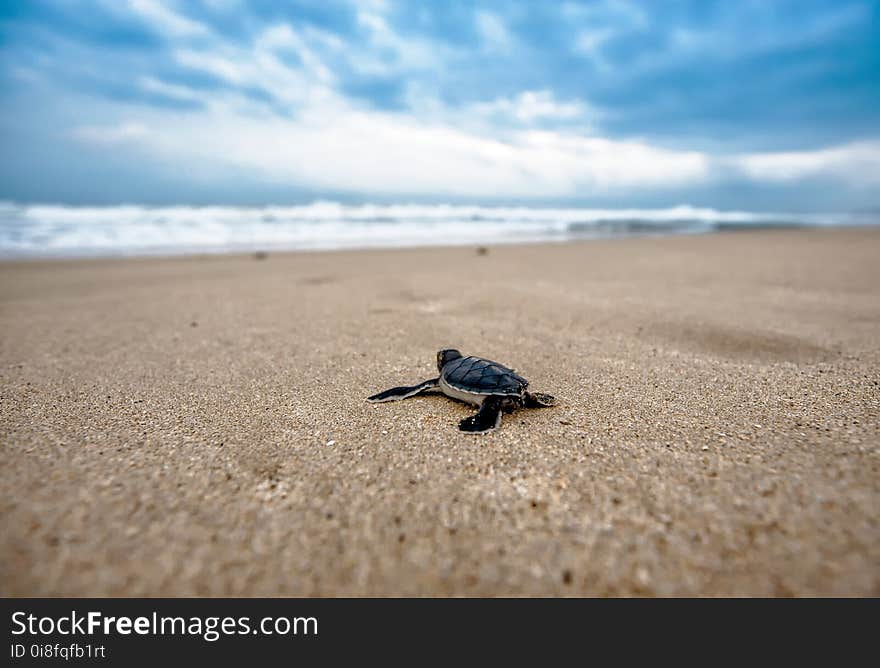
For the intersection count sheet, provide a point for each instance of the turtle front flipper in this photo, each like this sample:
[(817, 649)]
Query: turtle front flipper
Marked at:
[(398, 393), (486, 419), (538, 400)]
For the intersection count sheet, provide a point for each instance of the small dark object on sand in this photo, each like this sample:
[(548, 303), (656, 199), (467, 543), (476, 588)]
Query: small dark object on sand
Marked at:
[(482, 250), (474, 380), (261, 255)]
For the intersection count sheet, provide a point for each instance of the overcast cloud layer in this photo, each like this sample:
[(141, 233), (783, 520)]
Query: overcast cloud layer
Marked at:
[(727, 104)]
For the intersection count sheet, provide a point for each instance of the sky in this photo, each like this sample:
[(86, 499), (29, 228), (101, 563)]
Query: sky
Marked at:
[(753, 104)]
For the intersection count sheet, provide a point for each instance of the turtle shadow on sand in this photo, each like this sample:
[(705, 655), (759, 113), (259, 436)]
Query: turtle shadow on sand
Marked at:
[(492, 387)]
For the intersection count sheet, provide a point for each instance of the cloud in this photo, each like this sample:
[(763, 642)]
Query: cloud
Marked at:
[(120, 133), (387, 51), (227, 69), (590, 41), (530, 106), (173, 91), (351, 149), (281, 38), (505, 146), (263, 66), (493, 31), (165, 20), (856, 163)]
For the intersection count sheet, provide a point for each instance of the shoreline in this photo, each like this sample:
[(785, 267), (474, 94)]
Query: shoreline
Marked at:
[(266, 250), (196, 425), (151, 231)]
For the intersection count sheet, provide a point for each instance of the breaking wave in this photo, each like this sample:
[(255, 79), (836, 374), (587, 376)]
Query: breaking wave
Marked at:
[(62, 231)]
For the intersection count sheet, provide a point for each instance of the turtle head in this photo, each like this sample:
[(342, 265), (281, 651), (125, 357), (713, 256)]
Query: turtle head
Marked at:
[(446, 356)]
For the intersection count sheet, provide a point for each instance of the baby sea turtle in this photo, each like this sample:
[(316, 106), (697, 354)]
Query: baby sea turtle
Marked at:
[(474, 380)]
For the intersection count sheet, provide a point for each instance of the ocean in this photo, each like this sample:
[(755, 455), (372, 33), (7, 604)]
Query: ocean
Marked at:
[(42, 230)]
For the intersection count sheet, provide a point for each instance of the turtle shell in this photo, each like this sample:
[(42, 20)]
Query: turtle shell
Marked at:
[(479, 376)]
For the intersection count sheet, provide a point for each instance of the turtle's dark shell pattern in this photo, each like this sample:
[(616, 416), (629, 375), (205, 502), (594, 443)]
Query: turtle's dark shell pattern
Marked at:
[(479, 376)]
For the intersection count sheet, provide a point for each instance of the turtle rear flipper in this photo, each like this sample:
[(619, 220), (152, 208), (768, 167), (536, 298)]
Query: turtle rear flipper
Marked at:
[(538, 400), (404, 392), (486, 419)]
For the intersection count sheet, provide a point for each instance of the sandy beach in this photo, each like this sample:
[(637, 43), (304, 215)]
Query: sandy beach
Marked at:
[(197, 426)]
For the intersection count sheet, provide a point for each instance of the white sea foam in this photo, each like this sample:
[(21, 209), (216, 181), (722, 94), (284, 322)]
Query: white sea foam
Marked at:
[(56, 230)]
